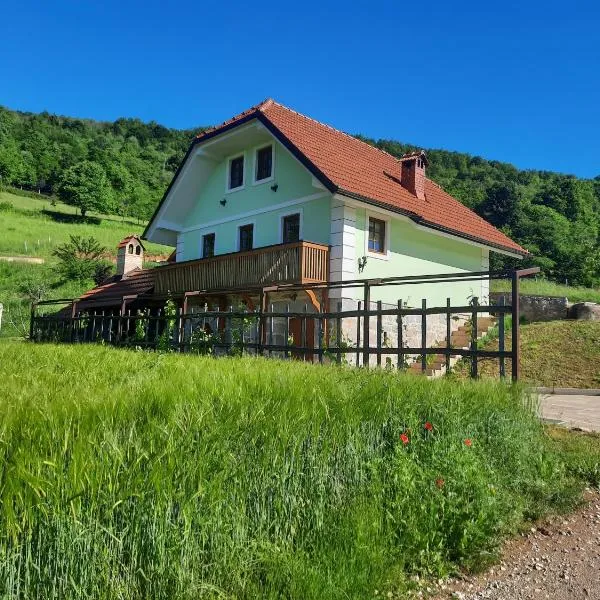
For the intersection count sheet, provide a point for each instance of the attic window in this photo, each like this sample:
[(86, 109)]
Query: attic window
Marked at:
[(264, 164), (130, 248), (138, 250), (235, 175)]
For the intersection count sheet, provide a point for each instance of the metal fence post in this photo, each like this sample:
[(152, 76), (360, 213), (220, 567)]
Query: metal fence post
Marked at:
[(448, 334), (379, 328), (474, 366), (516, 342), (501, 335), (423, 335), (366, 337)]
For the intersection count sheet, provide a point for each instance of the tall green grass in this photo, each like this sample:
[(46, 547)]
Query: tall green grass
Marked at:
[(136, 475), (544, 287)]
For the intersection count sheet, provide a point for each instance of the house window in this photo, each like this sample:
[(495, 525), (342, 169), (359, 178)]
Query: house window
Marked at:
[(264, 163), (208, 245), (246, 237), (130, 248), (291, 228), (236, 173), (376, 235)]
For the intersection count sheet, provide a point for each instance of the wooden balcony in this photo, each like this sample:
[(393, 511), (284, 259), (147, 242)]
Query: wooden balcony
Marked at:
[(300, 262)]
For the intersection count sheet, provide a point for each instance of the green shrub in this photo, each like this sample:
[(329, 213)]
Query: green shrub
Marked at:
[(140, 475), (82, 259)]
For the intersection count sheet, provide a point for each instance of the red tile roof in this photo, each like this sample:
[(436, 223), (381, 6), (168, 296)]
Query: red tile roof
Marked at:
[(352, 167), (110, 293), (127, 239)]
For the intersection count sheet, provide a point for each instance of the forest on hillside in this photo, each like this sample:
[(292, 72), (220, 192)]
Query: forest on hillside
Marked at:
[(124, 167)]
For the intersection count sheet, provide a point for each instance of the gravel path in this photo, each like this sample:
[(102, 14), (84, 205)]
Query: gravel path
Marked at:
[(557, 560)]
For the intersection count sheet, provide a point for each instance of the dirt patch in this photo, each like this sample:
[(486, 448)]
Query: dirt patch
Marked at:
[(558, 559), (23, 259)]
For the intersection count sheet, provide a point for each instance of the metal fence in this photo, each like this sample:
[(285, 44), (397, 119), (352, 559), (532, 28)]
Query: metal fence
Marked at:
[(367, 334)]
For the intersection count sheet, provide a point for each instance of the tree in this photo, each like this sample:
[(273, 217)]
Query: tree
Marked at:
[(500, 203), (82, 259), (86, 186)]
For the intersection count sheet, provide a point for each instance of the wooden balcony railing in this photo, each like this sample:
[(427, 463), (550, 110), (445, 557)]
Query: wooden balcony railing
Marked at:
[(300, 262)]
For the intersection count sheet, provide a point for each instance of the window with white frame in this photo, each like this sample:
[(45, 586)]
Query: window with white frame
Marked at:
[(377, 235), (235, 173), (263, 164)]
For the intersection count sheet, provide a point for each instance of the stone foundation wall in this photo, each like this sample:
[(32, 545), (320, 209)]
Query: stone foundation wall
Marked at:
[(536, 308), (411, 331)]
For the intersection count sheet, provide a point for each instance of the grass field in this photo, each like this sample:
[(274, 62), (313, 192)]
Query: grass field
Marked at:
[(29, 231), (543, 287), (554, 353), (138, 475)]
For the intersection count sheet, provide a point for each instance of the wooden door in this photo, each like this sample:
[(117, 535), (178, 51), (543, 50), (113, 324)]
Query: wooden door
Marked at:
[(299, 337)]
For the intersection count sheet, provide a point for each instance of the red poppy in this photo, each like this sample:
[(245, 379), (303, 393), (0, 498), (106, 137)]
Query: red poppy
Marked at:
[(468, 442), (404, 438), (439, 482), (428, 426)]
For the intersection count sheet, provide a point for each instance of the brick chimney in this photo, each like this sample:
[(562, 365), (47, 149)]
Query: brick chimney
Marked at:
[(413, 173), (130, 255)]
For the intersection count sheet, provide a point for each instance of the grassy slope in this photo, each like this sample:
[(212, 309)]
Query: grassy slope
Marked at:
[(27, 231), (185, 477), (559, 353), (543, 287)]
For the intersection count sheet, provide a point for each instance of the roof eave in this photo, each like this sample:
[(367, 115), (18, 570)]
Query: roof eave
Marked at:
[(419, 220)]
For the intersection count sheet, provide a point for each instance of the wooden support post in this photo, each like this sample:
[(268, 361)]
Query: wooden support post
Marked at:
[(367, 307), (32, 317), (182, 320), (303, 335), (321, 331), (286, 330), (516, 342), (271, 310), (262, 337), (73, 313)]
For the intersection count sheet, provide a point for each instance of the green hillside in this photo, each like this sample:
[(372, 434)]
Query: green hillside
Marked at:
[(33, 228), (128, 165)]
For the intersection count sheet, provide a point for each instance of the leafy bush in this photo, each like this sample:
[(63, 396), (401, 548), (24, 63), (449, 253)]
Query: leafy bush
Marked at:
[(81, 259), (6, 206), (184, 477)]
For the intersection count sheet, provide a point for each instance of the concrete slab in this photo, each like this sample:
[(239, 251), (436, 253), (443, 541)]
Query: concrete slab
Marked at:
[(573, 410)]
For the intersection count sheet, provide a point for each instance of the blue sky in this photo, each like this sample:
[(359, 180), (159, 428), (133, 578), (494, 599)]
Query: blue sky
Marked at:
[(512, 81)]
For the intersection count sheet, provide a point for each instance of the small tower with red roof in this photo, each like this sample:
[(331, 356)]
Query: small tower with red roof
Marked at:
[(130, 255)]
